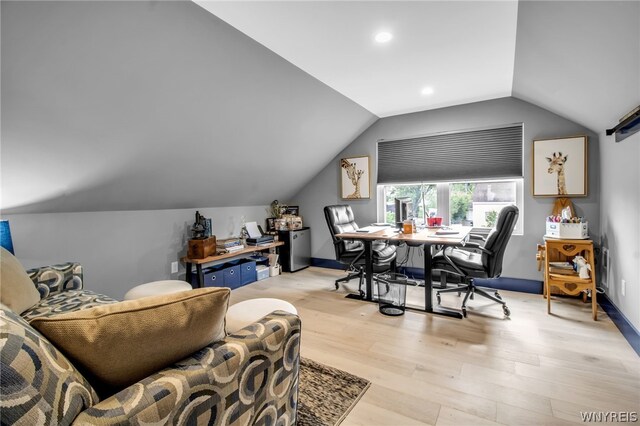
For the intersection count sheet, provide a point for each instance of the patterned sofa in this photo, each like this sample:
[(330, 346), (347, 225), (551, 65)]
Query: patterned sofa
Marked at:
[(250, 377)]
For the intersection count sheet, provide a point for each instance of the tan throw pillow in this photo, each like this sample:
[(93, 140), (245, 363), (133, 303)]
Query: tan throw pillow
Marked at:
[(17, 291), (119, 344)]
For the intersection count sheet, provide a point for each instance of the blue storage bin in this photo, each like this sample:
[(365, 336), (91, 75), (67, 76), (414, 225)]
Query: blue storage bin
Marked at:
[(231, 273), (260, 260), (213, 277), (248, 272)]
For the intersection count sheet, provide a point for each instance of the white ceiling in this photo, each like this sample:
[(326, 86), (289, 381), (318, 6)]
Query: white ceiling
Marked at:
[(464, 50)]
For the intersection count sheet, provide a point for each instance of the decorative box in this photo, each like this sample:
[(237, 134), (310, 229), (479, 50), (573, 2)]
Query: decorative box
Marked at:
[(201, 248), (568, 231)]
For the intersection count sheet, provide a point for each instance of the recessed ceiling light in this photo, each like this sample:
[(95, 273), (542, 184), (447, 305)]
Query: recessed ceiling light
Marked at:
[(427, 91), (383, 37)]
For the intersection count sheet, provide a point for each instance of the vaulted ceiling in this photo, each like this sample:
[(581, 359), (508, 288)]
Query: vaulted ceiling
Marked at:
[(464, 51), (157, 105)]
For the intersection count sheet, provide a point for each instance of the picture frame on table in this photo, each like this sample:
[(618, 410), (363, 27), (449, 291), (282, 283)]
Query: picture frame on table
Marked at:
[(271, 224), (292, 210), (560, 167)]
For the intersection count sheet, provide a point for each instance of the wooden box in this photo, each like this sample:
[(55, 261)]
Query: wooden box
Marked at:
[(199, 249)]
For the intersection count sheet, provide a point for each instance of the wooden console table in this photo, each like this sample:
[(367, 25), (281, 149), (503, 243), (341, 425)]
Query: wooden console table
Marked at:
[(564, 251), (199, 262)]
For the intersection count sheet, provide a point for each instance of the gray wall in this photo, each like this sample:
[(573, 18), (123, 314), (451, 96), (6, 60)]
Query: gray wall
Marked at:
[(585, 66), (119, 249), (620, 229), (538, 123), (139, 105)]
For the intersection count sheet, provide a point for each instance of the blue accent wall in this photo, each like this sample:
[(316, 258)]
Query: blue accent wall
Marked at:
[(502, 283), (624, 325), (327, 263)]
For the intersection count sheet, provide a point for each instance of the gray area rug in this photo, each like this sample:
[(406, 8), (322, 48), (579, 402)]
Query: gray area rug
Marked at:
[(326, 394)]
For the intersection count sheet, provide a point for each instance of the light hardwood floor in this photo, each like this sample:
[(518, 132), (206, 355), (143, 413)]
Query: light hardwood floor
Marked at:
[(532, 369)]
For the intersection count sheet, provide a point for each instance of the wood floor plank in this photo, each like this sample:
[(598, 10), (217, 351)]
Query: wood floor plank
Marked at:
[(402, 403), (366, 414), (532, 369), (452, 417), (510, 415)]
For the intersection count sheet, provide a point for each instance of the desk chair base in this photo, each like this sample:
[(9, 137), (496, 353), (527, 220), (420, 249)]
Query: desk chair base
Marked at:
[(470, 290), (358, 273)]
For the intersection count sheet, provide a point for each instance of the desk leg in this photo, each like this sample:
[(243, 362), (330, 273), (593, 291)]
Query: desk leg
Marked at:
[(200, 275), (428, 289), (189, 274), (368, 269)]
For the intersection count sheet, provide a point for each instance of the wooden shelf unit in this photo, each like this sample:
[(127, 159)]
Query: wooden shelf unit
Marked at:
[(199, 262), (556, 250)]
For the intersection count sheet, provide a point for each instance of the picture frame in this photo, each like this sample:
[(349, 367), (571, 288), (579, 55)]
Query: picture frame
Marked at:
[(292, 210), (355, 178), (271, 224), (560, 167)]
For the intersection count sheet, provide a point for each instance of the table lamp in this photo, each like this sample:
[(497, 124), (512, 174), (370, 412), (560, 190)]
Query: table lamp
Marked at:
[(5, 236)]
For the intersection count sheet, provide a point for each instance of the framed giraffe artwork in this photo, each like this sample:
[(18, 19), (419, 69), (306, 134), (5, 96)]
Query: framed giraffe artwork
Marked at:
[(355, 182), (560, 167)]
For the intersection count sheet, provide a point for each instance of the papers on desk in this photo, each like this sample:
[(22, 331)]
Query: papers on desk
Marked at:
[(370, 229), (443, 232)]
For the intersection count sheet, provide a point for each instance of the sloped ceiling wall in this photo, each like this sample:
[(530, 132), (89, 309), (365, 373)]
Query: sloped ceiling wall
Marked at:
[(579, 59), (155, 105)]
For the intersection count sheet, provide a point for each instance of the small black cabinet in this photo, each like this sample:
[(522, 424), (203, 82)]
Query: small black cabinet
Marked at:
[(295, 254)]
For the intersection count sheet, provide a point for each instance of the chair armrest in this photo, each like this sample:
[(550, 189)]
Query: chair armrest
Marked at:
[(251, 375), (477, 237), (476, 246), (50, 280)]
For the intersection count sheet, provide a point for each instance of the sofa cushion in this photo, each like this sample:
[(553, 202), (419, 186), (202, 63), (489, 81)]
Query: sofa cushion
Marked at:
[(17, 291), (39, 385), (119, 344), (50, 280), (66, 301)]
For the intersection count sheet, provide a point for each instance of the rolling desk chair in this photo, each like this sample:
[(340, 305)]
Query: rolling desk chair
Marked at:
[(485, 263), (340, 219)]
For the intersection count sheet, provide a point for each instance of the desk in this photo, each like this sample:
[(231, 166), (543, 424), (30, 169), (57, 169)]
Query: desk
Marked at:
[(426, 238), (199, 262)]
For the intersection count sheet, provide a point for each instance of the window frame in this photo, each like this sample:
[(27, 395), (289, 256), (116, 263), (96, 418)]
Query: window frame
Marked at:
[(443, 200)]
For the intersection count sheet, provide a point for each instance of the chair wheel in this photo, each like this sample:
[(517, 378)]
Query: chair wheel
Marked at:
[(506, 311), (337, 286), (361, 293), (464, 312), (438, 298), (496, 294)]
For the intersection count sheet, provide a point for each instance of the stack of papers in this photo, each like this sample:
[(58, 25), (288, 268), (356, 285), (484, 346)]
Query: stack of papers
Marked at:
[(372, 228)]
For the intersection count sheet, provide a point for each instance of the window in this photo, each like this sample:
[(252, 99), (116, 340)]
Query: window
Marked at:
[(473, 203), (424, 198)]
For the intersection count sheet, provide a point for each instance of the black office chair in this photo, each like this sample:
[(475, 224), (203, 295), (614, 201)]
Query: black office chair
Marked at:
[(340, 219), (485, 262)]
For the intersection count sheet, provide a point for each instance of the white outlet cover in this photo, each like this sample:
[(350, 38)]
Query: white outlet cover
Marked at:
[(623, 287), (174, 267)]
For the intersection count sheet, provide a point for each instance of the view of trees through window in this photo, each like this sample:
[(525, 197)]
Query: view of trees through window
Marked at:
[(461, 202), (474, 204), (424, 198)]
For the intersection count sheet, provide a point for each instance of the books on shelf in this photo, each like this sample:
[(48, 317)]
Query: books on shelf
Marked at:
[(233, 249), (230, 242), (564, 265), (561, 271)]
